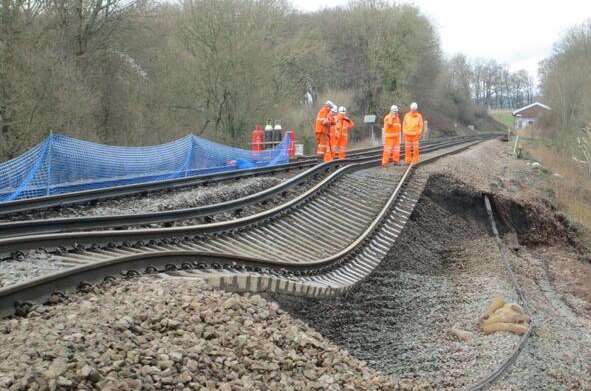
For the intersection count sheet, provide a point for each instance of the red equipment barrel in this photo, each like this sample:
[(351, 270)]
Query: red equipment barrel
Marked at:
[(258, 139)]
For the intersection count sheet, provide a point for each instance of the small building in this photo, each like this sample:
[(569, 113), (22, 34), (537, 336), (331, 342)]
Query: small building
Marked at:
[(527, 116)]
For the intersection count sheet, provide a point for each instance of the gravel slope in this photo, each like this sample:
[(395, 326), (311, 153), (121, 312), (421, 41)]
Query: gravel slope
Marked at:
[(151, 334)]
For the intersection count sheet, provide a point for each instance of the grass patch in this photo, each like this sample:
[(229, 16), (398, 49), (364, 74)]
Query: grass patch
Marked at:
[(503, 117), (570, 182)]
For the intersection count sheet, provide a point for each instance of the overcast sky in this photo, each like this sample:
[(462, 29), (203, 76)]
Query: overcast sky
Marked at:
[(518, 33)]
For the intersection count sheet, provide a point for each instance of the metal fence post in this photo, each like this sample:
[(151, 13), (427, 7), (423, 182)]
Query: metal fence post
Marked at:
[(49, 150)]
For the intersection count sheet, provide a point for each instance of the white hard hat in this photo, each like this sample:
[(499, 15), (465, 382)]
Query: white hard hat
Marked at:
[(328, 103), (394, 109), (278, 127), (414, 106), (342, 109), (334, 108)]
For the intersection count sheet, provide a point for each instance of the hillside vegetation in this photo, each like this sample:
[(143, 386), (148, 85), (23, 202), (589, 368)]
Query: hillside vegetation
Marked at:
[(563, 144), (566, 88), (142, 72)]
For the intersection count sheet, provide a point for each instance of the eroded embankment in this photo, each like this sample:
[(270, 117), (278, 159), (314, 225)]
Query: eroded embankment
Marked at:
[(536, 222), (441, 274)]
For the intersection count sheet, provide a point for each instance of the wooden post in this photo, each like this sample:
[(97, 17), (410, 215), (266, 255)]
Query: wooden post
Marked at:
[(515, 146), (584, 148)]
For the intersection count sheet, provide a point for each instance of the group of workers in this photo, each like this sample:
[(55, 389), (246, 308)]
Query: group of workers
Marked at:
[(332, 133), (412, 129)]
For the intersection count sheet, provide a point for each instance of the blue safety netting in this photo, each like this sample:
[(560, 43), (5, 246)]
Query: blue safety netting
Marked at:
[(62, 164)]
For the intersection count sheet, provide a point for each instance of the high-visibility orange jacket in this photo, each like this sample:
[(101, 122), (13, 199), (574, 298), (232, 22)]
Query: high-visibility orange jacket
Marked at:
[(328, 120), (413, 124), (320, 119), (328, 124), (392, 125), (343, 125)]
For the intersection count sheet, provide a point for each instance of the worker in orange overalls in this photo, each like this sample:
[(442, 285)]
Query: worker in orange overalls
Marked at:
[(320, 128), (258, 138), (330, 127), (412, 127), (343, 125), (392, 129)]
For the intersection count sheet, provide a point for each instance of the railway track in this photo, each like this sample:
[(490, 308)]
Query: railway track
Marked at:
[(196, 215), (91, 196), (319, 243), (58, 241), (21, 209)]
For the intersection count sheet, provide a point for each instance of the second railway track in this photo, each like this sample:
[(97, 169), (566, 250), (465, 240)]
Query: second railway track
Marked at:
[(233, 208), (27, 205), (316, 244)]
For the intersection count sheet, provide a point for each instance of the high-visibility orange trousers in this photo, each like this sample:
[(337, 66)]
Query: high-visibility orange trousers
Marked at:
[(332, 149), (328, 150), (411, 148), (321, 141), (343, 141), (391, 150)]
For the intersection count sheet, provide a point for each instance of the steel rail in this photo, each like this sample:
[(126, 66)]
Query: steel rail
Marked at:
[(76, 239), (167, 256), (71, 224)]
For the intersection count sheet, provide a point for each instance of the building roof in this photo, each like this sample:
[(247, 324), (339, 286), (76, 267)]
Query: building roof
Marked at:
[(529, 107)]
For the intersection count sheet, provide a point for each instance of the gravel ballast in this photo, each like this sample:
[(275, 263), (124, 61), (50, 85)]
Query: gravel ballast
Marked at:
[(153, 334), (160, 201), (35, 263)]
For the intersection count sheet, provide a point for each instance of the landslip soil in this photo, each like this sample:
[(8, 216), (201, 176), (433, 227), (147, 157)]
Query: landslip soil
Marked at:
[(444, 270)]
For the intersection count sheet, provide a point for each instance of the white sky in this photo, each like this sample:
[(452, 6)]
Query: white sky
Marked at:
[(519, 33)]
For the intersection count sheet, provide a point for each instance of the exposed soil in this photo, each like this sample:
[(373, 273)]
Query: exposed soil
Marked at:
[(536, 222), (527, 216), (571, 280)]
